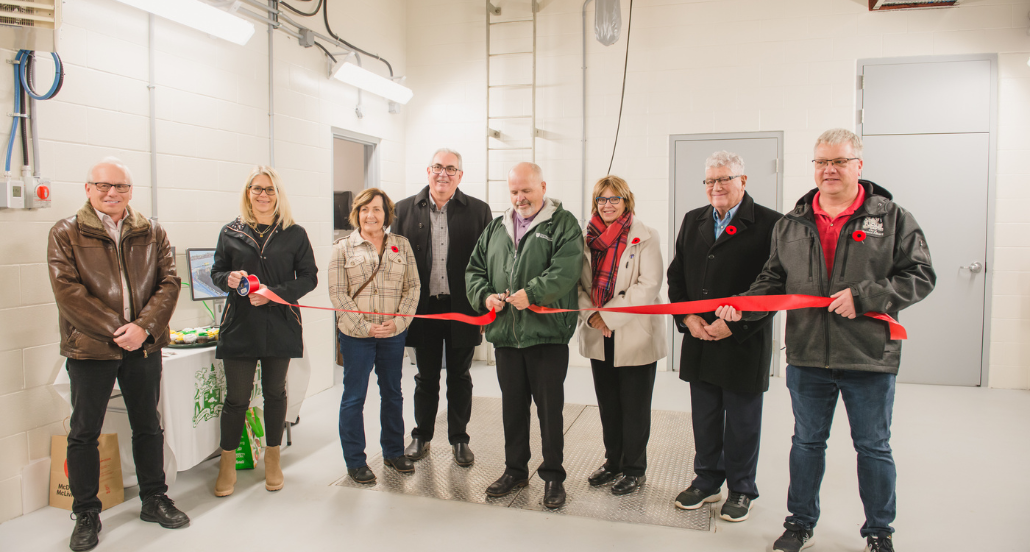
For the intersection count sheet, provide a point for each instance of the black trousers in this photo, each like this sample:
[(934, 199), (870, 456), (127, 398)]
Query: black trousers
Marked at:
[(727, 432), (535, 373), (239, 384), (624, 402), (92, 381), (429, 358)]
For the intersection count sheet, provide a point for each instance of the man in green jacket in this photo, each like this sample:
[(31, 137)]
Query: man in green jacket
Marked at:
[(531, 255)]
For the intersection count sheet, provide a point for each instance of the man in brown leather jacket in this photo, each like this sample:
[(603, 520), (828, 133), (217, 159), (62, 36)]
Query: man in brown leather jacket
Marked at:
[(114, 281)]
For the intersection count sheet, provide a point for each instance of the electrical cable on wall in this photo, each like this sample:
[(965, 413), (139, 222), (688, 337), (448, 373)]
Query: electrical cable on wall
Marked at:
[(325, 16), (622, 98), (326, 52), (313, 13), (23, 86)]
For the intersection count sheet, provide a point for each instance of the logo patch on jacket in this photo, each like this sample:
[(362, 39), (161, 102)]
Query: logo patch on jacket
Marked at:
[(873, 226), (544, 236)]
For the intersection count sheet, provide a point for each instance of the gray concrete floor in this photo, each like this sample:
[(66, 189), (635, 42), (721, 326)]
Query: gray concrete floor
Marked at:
[(963, 482)]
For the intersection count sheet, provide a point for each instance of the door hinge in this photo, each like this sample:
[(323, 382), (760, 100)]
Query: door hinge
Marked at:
[(861, 116), (861, 82), (777, 165)]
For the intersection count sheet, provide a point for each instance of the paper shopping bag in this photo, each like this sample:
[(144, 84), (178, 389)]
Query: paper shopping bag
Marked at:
[(111, 493)]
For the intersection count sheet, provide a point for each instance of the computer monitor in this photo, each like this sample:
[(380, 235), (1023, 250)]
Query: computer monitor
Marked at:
[(202, 287)]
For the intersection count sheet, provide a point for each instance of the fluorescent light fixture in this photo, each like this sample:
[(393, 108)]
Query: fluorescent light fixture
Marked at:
[(370, 82), (200, 16)]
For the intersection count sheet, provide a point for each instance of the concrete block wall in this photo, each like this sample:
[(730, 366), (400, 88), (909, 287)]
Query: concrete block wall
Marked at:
[(702, 66), (212, 128)]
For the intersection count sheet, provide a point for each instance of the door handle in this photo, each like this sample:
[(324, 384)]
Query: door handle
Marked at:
[(974, 267)]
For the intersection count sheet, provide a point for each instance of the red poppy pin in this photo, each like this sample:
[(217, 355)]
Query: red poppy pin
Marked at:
[(858, 235), (635, 241), (394, 249), (731, 230)]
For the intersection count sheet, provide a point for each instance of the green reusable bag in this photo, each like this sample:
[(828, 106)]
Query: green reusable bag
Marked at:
[(252, 441)]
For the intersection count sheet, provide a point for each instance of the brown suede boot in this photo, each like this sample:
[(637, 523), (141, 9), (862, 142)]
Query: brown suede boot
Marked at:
[(273, 470), (226, 474)]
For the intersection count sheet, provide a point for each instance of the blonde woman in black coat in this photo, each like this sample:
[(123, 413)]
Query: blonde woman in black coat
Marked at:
[(266, 242)]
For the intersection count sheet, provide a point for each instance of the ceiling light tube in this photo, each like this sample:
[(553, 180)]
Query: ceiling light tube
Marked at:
[(368, 81), (200, 16)]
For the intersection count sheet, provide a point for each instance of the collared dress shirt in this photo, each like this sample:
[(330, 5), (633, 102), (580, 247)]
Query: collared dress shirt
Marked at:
[(440, 239), (720, 225)]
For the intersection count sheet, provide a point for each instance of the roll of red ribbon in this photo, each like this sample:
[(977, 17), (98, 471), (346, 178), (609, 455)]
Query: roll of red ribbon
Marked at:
[(247, 284)]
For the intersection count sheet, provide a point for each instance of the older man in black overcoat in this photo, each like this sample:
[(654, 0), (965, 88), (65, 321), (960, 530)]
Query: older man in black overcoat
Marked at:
[(721, 248)]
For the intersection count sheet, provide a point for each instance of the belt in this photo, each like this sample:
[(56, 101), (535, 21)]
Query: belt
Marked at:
[(441, 297)]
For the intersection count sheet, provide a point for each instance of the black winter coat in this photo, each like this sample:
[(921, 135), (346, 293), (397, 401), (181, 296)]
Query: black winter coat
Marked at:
[(706, 268), (286, 265), (466, 219)]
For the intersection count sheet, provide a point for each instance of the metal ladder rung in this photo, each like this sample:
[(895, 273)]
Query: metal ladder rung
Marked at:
[(511, 54), (511, 21), (509, 117), (508, 149), (510, 86)]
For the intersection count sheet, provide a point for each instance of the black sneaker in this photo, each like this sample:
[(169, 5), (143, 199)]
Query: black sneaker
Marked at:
[(879, 543), (736, 508), (693, 498), (794, 538), (85, 535), (161, 510)]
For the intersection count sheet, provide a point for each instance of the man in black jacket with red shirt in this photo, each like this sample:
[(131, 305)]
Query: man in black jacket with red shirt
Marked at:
[(443, 225), (720, 250), (847, 240)]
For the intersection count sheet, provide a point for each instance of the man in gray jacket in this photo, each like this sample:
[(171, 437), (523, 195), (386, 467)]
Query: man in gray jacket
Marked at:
[(849, 241)]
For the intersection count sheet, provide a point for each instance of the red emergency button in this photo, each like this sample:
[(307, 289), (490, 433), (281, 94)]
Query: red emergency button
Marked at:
[(43, 192)]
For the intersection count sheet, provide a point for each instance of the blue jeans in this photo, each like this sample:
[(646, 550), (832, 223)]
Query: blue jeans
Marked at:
[(869, 400), (359, 357)]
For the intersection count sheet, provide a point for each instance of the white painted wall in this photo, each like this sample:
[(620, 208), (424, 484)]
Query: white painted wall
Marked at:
[(699, 66), (212, 109)]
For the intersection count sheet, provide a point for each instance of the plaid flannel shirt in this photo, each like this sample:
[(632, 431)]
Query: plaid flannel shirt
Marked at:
[(394, 290)]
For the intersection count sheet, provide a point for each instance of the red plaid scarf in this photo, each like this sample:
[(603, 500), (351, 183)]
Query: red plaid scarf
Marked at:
[(606, 247)]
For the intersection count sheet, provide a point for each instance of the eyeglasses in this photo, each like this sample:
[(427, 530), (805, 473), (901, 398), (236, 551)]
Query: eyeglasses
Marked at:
[(258, 190), (711, 182), (104, 187), (614, 200), (840, 162), (451, 171)]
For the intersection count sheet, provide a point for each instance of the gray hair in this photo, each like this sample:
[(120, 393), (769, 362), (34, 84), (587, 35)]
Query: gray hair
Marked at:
[(836, 136), (110, 160), (538, 173), (725, 159), (446, 150)]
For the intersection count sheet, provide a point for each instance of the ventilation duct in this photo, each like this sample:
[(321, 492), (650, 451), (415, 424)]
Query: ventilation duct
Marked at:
[(29, 25)]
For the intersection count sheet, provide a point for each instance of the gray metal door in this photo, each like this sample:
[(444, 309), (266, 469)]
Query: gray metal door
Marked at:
[(927, 128), (762, 153)]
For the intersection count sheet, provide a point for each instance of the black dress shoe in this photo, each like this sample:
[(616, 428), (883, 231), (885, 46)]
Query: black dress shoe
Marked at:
[(603, 475), (402, 464), (554, 494), (362, 475), (161, 510), (628, 484), (417, 449), (463, 455), (85, 535), (506, 484)]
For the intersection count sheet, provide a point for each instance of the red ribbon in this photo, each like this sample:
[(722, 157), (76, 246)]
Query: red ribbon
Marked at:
[(761, 303)]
